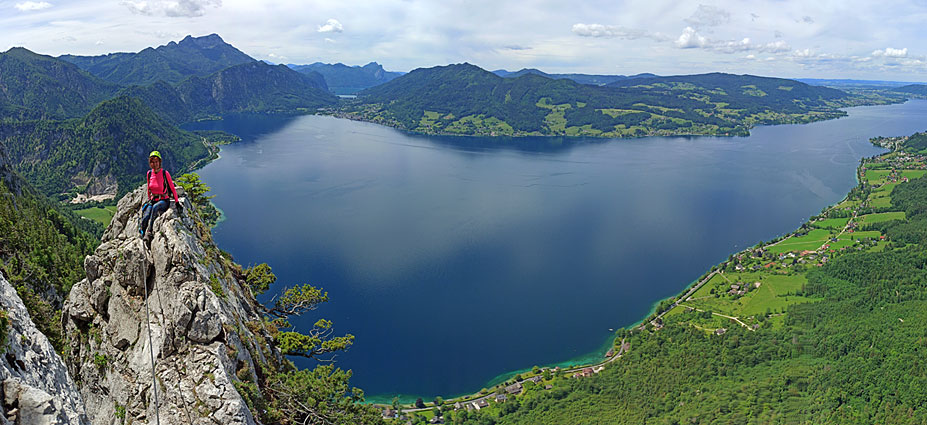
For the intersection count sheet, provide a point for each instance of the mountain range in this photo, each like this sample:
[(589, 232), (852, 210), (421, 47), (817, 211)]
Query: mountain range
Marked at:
[(102, 153), (343, 79), (465, 99), (851, 354), (34, 86), (172, 63), (595, 80), (917, 89), (253, 87)]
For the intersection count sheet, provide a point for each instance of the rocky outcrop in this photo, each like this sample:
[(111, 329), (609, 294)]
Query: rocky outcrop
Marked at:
[(198, 325), (35, 387)]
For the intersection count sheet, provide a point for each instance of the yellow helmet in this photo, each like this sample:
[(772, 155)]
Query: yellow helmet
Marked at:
[(155, 154)]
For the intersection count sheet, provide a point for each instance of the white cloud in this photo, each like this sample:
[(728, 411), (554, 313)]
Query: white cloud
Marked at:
[(329, 40), (171, 8), (803, 53), (889, 52), (690, 39), (32, 5), (99, 43), (708, 16), (615, 31), (774, 47), (605, 31), (332, 25)]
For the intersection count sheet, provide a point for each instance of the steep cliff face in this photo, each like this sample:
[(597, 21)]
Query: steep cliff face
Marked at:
[(199, 312), (35, 388)]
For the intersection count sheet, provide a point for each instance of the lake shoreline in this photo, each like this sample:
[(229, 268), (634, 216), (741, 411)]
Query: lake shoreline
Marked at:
[(706, 145), (612, 343)]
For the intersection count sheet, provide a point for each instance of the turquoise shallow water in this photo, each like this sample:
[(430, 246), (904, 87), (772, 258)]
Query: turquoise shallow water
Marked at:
[(456, 260)]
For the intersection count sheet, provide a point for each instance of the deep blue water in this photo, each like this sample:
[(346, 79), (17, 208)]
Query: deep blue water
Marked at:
[(453, 260)]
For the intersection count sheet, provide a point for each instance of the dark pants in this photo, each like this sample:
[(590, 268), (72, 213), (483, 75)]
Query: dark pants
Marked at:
[(148, 210)]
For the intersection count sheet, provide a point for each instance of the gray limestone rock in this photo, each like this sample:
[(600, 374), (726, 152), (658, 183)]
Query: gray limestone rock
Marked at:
[(35, 387), (198, 313)]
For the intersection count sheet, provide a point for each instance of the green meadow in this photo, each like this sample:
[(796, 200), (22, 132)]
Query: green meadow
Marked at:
[(103, 215)]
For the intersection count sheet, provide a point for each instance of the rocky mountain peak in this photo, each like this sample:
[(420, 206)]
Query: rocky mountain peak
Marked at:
[(197, 324)]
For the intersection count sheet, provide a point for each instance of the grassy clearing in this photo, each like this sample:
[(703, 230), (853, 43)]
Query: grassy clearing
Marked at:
[(913, 174), (831, 223), (877, 176), (880, 217), (775, 293), (102, 215), (809, 242), (880, 200)]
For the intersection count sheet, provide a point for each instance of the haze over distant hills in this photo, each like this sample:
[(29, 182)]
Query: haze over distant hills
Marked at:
[(343, 79), (596, 80), (917, 89), (838, 82), (254, 87)]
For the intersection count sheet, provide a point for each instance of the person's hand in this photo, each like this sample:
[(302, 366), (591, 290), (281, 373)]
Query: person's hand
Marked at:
[(179, 208)]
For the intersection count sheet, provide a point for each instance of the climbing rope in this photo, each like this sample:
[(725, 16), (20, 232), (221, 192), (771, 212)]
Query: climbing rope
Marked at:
[(154, 379), (151, 345)]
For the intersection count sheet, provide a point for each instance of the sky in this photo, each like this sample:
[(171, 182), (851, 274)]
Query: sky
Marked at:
[(859, 39)]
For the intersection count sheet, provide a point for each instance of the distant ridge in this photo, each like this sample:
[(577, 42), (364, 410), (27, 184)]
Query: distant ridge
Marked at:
[(254, 87), (172, 62), (917, 89), (838, 82), (591, 79), (465, 99), (344, 79), (34, 86)]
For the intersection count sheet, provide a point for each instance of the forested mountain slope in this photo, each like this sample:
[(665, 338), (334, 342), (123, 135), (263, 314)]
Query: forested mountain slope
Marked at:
[(103, 153), (251, 87), (827, 325), (42, 248), (172, 62), (34, 86), (464, 99)]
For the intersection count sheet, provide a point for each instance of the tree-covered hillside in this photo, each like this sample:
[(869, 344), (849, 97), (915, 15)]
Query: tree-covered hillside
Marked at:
[(172, 62), (104, 152), (253, 87), (343, 79), (34, 86), (42, 249), (827, 325), (464, 99), (916, 89)]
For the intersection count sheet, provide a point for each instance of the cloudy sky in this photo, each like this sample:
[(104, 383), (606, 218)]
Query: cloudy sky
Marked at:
[(862, 39)]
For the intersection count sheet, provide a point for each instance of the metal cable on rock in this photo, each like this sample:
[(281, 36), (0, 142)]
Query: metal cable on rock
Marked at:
[(154, 379)]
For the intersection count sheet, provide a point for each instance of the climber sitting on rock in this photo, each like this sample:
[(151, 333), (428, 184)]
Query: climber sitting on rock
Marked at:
[(159, 183)]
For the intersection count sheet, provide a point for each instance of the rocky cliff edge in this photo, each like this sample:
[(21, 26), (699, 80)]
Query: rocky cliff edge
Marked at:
[(35, 387), (201, 319)]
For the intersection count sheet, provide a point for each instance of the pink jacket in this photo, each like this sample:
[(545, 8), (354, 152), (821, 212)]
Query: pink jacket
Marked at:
[(157, 189)]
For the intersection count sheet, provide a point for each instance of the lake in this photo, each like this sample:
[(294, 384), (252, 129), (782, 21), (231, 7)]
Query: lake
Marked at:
[(456, 259)]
